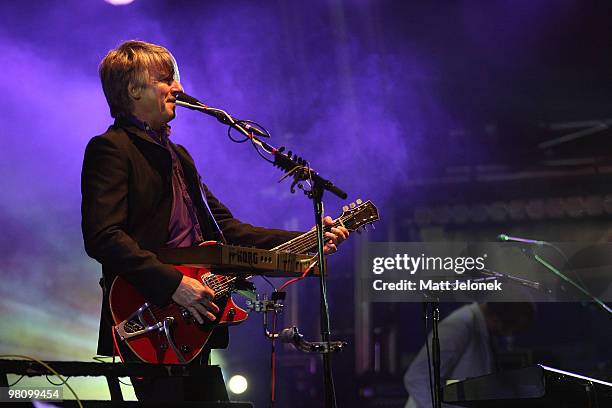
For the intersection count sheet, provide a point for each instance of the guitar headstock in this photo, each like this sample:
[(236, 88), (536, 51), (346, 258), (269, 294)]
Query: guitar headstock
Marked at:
[(358, 214)]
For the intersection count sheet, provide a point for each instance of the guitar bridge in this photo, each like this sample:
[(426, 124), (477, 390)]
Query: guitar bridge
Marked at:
[(135, 325)]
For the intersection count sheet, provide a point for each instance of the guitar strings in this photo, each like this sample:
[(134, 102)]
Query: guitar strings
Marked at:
[(221, 283), (302, 243), (307, 241)]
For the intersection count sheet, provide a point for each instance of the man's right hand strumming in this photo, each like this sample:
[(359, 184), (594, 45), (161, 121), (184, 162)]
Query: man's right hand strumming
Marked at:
[(196, 298)]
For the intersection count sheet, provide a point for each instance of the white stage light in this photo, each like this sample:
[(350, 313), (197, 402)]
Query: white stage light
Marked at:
[(118, 2), (237, 384)]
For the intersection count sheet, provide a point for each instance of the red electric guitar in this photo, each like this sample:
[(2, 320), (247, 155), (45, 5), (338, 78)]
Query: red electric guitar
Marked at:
[(168, 334)]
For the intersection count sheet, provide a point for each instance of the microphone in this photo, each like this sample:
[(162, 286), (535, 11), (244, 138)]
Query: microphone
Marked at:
[(507, 238), (188, 99), (189, 102), (292, 336)]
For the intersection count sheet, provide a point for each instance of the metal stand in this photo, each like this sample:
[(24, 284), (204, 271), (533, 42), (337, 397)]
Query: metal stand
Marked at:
[(435, 354), (265, 306), (530, 251), (300, 170), (328, 381), (601, 305)]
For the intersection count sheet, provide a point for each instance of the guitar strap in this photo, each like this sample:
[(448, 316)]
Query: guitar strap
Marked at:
[(203, 194)]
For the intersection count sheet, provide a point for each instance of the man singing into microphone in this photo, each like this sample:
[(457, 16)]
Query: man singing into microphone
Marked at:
[(141, 192)]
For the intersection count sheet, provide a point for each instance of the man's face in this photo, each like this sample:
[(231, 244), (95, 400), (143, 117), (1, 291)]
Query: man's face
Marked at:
[(155, 102)]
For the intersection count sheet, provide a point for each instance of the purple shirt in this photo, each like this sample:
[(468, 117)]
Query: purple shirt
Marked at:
[(184, 228)]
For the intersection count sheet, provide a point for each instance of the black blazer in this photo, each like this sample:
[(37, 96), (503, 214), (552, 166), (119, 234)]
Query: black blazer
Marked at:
[(126, 187)]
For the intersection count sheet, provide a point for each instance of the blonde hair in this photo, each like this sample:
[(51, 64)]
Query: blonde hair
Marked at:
[(132, 63)]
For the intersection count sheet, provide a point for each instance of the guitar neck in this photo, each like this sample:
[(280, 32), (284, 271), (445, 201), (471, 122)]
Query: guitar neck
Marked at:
[(304, 243), (352, 218)]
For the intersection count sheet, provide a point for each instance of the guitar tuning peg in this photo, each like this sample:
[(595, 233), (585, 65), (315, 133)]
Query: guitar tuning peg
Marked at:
[(352, 205), (373, 227), (359, 201), (359, 231), (345, 208), (365, 227)]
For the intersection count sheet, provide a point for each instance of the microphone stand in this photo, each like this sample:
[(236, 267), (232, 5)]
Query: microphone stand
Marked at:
[(301, 171), (432, 302), (435, 354), (328, 381), (542, 261), (579, 287)]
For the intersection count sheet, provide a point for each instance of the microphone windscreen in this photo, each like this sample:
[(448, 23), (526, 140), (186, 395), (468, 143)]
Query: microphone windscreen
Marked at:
[(183, 97)]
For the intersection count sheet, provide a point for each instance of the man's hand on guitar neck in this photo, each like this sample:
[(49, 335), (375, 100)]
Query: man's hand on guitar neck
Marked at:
[(196, 298), (334, 237)]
